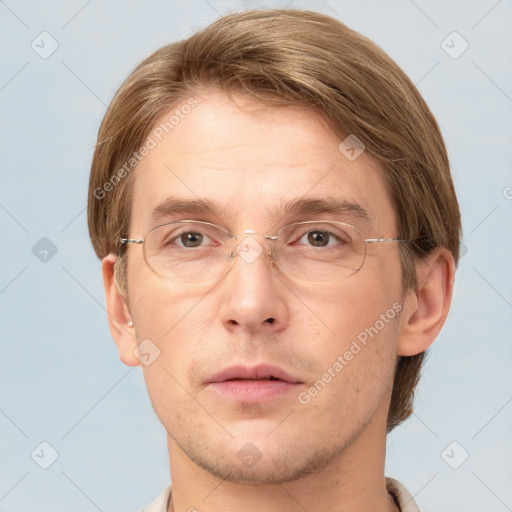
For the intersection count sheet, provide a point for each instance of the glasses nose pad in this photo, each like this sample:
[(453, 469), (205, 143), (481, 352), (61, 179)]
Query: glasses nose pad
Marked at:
[(235, 251)]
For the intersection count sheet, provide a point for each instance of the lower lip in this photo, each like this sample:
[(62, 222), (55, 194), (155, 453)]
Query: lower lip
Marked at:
[(253, 390)]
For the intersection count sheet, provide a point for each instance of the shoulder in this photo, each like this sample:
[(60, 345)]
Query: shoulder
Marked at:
[(404, 499), (159, 504)]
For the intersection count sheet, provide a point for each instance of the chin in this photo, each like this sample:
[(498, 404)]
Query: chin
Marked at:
[(259, 460)]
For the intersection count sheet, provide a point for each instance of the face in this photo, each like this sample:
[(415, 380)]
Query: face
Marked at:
[(336, 342)]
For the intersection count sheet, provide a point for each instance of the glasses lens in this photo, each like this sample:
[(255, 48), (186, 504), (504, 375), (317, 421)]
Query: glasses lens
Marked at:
[(187, 252), (320, 251)]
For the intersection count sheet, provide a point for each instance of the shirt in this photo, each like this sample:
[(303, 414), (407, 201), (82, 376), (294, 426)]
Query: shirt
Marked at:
[(404, 499)]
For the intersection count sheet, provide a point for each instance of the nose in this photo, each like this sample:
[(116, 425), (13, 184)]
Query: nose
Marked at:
[(253, 295)]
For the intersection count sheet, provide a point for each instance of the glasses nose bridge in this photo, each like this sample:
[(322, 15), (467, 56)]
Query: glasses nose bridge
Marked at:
[(239, 239)]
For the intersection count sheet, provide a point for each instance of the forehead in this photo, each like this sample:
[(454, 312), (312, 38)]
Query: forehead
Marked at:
[(252, 163)]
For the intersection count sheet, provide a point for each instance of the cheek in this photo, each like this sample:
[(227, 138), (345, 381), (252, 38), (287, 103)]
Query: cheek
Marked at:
[(355, 341), (340, 313), (159, 307), (175, 320), (356, 373), (176, 325)]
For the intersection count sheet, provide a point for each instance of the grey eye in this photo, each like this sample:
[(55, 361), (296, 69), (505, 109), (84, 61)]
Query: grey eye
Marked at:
[(322, 238), (191, 239)]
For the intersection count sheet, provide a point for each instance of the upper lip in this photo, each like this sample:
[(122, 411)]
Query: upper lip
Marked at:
[(262, 371)]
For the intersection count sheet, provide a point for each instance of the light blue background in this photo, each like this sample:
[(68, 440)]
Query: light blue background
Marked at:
[(60, 378)]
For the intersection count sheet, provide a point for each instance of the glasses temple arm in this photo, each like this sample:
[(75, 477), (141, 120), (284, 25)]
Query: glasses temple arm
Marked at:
[(131, 241), (376, 240)]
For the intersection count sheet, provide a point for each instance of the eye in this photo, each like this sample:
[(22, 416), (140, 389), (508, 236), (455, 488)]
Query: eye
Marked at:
[(323, 238), (178, 239), (191, 239)]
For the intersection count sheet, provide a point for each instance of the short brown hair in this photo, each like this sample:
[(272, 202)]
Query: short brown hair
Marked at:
[(292, 57)]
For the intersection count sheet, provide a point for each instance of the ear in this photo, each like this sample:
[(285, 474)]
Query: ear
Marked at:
[(426, 309), (118, 314)]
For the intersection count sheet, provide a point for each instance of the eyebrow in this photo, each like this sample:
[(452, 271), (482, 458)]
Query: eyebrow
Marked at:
[(334, 206), (174, 205)]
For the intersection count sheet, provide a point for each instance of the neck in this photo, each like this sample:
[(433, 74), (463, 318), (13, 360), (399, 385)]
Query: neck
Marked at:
[(353, 481)]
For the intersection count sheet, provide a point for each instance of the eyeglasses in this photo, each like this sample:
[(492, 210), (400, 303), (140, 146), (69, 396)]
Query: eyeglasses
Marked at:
[(192, 252)]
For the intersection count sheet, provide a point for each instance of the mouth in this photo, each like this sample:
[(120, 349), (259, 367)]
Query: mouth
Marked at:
[(253, 384), (252, 379)]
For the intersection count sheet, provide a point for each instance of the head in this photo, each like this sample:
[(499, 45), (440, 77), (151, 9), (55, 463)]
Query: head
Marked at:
[(250, 115)]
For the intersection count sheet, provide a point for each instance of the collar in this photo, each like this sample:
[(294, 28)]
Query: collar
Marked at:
[(404, 500)]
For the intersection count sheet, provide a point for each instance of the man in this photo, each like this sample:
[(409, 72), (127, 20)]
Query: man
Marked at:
[(272, 203)]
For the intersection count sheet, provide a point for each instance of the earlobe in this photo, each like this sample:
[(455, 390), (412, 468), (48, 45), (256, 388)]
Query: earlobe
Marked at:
[(426, 309), (118, 315)]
